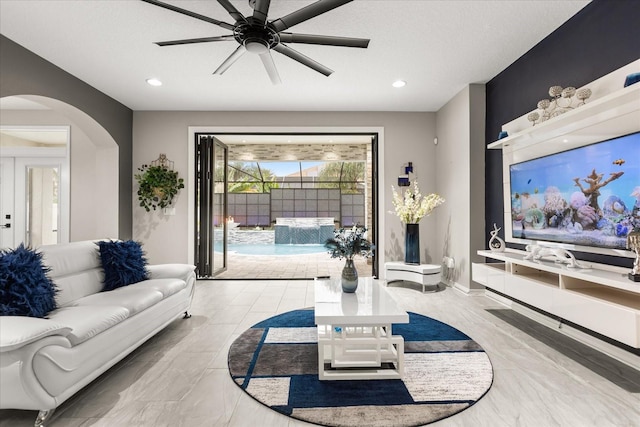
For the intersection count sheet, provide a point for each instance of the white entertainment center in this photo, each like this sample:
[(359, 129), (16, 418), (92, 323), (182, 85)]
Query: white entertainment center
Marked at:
[(599, 297)]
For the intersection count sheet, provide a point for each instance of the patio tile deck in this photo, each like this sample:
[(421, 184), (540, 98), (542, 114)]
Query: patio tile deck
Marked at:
[(305, 266)]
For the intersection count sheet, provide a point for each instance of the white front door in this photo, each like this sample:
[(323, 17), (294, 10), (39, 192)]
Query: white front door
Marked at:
[(33, 201), (34, 185), (37, 208), (7, 214)]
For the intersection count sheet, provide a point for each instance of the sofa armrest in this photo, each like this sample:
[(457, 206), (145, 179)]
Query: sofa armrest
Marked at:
[(18, 331), (171, 271)]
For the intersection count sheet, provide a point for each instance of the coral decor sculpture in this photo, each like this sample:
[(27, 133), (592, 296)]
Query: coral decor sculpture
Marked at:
[(561, 256), (636, 193), (562, 100), (595, 184)]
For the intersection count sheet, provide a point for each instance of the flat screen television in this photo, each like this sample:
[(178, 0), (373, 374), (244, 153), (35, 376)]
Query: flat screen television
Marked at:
[(587, 197)]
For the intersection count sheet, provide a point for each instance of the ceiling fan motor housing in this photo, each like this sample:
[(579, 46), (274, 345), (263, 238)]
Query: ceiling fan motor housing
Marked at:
[(256, 38)]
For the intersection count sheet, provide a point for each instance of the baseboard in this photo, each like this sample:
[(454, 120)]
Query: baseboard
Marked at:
[(466, 290), (458, 287), (498, 298), (610, 350)]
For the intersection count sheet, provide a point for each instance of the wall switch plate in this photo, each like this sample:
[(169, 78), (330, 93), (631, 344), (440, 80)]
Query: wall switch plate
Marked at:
[(169, 211)]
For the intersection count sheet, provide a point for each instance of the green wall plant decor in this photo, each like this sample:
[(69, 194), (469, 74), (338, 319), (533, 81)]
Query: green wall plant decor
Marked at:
[(158, 184)]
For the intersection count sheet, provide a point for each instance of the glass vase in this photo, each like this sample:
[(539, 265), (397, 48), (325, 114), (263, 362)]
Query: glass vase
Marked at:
[(349, 277), (412, 244)]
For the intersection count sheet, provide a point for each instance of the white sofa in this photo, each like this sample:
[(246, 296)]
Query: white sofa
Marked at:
[(43, 362)]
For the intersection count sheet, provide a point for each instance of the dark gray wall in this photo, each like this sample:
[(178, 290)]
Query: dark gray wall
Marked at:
[(599, 39), (24, 73)]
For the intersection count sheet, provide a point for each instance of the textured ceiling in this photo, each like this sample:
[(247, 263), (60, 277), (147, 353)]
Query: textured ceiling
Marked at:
[(438, 47)]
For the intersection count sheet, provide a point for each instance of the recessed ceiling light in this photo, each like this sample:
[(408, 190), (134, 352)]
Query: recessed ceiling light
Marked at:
[(154, 82), (399, 83)]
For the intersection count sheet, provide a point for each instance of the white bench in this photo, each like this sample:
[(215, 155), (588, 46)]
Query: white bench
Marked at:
[(423, 274)]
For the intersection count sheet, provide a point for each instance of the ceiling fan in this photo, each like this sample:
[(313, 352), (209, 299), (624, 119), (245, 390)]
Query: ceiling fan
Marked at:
[(258, 35)]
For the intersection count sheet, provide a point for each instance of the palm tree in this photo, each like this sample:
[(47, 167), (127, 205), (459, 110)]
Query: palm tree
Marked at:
[(344, 175), (249, 178)]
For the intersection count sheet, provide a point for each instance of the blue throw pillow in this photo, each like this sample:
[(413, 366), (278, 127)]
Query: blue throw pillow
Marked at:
[(123, 263), (25, 287)]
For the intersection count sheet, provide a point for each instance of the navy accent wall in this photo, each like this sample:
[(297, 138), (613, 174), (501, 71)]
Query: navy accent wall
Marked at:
[(601, 38)]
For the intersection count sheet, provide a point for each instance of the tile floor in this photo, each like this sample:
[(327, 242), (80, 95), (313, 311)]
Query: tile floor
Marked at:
[(180, 377)]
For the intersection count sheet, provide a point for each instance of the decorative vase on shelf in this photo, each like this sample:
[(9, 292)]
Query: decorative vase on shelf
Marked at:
[(349, 277), (412, 244)]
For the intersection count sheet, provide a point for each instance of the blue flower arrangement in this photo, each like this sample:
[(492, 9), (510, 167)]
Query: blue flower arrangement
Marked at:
[(349, 242)]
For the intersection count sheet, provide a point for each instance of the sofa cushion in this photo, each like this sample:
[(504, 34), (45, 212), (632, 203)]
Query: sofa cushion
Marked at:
[(88, 321), (18, 331), (171, 271), (133, 298), (76, 269), (167, 287), (123, 263), (25, 286), (70, 258), (76, 286)]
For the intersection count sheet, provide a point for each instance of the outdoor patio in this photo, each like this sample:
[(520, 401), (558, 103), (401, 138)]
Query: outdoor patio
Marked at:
[(305, 266)]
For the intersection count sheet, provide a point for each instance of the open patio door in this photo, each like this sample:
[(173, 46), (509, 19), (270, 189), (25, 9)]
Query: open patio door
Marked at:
[(211, 206)]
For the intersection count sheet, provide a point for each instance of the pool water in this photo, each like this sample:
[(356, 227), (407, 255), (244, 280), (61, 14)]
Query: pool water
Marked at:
[(273, 249)]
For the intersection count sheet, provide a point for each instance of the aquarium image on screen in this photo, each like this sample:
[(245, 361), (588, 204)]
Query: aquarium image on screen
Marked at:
[(587, 196)]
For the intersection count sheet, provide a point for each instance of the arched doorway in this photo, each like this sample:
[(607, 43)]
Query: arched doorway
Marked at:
[(92, 157)]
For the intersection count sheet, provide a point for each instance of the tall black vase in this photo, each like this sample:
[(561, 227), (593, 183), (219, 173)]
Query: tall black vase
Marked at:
[(412, 244)]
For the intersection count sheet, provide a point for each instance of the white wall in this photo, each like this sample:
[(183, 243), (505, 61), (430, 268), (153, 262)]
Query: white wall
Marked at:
[(407, 137), (460, 180), (94, 175)]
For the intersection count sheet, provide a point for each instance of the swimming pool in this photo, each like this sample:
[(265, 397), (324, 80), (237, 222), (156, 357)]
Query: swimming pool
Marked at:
[(273, 249)]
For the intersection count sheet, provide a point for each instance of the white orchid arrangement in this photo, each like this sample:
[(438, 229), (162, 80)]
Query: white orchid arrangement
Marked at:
[(414, 206)]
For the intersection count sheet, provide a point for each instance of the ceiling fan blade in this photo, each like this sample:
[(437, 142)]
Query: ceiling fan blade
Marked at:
[(235, 14), (307, 12), (261, 10), (324, 40), (189, 13), (230, 60), (200, 40), (270, 66), (295, 55)]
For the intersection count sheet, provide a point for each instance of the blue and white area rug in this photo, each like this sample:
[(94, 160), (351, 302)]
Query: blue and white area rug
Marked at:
[(276, 362)]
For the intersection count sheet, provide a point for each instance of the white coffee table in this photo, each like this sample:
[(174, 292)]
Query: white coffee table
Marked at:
[(355, 340)]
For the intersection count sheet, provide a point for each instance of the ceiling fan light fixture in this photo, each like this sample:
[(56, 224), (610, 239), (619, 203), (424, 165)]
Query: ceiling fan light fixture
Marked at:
[(154, 82), (256, 46), (399, 83)]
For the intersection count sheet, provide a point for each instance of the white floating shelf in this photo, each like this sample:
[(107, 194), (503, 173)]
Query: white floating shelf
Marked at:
[(612, 115)]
